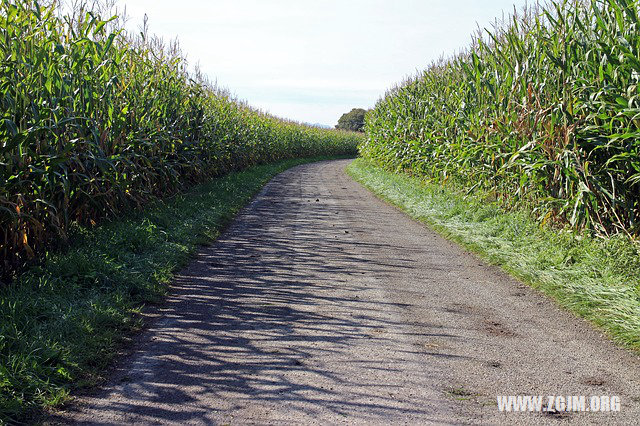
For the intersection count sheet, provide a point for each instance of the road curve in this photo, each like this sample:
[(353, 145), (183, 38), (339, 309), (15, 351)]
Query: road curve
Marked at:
[(322, 304)]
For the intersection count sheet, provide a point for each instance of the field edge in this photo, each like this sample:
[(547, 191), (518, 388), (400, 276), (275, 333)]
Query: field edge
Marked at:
[(593, 278), (66, 320)]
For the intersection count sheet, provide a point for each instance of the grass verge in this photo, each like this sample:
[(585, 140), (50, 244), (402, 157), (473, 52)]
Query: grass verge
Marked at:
[(597, 279), (63, 321)]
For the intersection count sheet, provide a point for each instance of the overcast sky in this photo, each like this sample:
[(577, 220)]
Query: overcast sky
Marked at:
[(312, 60)]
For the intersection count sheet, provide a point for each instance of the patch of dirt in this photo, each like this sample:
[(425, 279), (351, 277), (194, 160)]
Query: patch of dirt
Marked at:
[(496, 328)]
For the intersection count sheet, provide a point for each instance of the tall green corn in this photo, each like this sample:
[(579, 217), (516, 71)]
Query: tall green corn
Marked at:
[(95, 122), (543, 110)]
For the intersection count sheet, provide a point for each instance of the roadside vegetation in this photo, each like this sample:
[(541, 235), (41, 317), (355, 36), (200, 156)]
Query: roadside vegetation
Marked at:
[(115, 163), (63, 321), (542, 111), (596, 278), (96, 122), (526, 149)]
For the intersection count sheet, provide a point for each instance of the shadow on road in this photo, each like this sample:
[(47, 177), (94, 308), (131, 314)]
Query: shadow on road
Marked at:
[(283, 310)]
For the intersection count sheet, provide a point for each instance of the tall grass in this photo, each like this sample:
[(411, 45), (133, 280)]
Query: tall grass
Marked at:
[(543, 109), (96, 121)]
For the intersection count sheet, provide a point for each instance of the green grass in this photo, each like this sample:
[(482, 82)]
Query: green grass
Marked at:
[(62, 322), (595, 278)]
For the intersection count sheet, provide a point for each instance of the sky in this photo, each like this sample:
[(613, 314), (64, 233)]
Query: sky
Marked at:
[(313, 60)]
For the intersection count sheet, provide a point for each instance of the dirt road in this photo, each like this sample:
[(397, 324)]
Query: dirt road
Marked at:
[(322, 304)]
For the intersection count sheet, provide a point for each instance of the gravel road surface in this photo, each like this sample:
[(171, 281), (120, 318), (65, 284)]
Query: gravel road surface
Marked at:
[(322, 304)]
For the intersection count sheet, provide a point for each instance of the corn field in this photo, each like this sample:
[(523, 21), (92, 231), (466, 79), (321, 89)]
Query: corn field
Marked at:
[(96, 122), (542, 110)]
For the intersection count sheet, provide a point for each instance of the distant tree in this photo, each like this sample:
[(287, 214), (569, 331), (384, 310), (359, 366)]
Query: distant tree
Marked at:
[(352, 120)]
